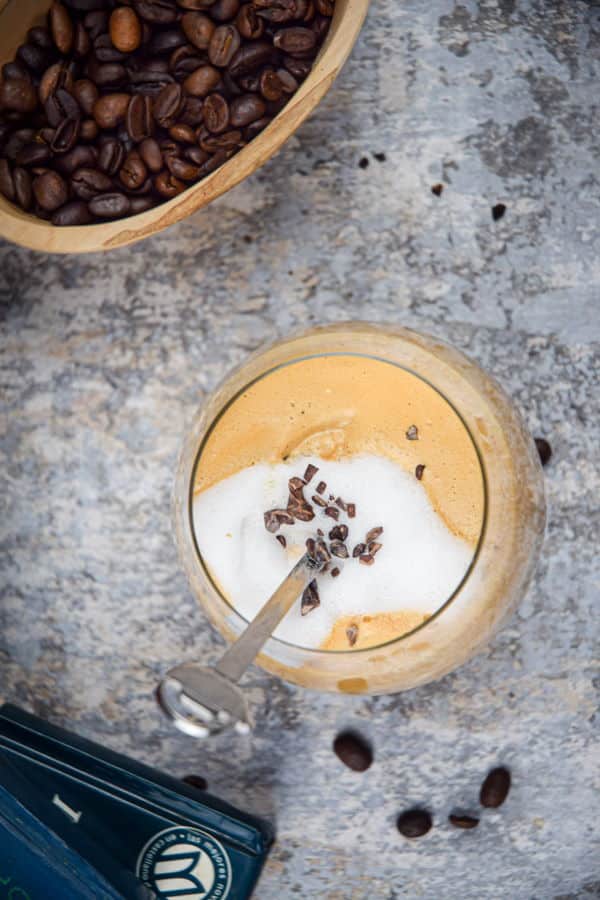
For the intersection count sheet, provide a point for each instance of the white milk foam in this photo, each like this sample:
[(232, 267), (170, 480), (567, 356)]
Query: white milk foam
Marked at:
[(420, 564)]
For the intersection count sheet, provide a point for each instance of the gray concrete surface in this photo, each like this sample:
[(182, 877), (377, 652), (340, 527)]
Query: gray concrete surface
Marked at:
[(105, 358)]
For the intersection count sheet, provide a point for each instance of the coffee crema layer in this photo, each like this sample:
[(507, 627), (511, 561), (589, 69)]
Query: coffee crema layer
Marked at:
[(388, 442)]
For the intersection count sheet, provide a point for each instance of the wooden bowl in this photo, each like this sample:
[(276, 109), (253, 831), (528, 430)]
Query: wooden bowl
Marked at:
[(17, 16)]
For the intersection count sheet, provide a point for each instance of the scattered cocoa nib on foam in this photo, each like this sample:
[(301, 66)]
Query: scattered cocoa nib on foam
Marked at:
[(412, 433), (310, 598), (374, 547), (310, 472), (419, 471), (351, 510), (352, 634), (274, 518), (366, 559), (338, 533), (335, 572), (282, 540), (373, 534), (319, 501), (359, 550), (339, 549), (321, 487), (332, 512)]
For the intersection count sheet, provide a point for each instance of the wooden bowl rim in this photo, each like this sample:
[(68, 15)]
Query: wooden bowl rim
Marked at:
[(28, 231)]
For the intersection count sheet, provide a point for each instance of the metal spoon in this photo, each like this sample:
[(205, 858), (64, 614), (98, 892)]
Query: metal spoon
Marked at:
[(203, 700)]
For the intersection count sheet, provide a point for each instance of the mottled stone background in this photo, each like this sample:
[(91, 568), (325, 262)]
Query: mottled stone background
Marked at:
[(105, 358)]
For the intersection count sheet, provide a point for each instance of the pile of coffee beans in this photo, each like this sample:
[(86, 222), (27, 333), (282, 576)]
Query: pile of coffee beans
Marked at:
[(115, 106)]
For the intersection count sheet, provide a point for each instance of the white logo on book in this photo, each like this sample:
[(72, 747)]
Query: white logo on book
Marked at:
[(185, 863)]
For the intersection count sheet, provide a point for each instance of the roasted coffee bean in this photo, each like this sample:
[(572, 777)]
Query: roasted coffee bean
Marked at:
[(414, 823), (224, 44), (34, 57), (23, 192), (106, 53), (107, 75), (216, 113), (544, 450), (156, 12), (230, 140), (81, 42), (495, 788), (256, 127), (215, 162), (139, 121), (168, 105), (110, 206), (133, 172), (246, 109), (15, 143), (195, 4), (149, 82), (111, 156), (196, 155), (89, 131), (61, 27), (270, 85), (203, 81), (15, 70), (182, 133), (296, 40), (167, 185), (248, 83), (250, 57), (66, 136), (320, 26), (7, 184), (325, 7), (248, 23), (125, 29), (74, 213), (198, 29), (18, 95), (80, 157), (224, 10), (110, 109), (196, 781), (50, 191), (185, 60), (192, 112), (151, 154), (299, 68), (36, 153), (55, 76), (277, 10), (41, 37), (61, 105), (353, 750), (123, 135), (183, 169), (96, 21), (140, 204), (460, 820), (87, 183)]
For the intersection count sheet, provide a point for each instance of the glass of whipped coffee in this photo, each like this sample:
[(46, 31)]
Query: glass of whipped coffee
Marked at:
[(395, 456)]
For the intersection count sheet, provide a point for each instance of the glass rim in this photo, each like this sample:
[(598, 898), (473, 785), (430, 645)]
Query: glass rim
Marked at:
[(190, 498)]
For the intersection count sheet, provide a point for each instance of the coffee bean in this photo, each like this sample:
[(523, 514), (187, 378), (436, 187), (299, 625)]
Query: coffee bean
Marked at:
[(66, 136), (139, 121), (325, 7), (196, 155), (248, 23), (15, 70), (353, 751), (81, 44), (167, 185), (151, 154), (80, 157), (192, 112), (250, 57), (246, 109), (96, 21), (270, 85), (230, 140), (110, 206), (111, 156), (34, 57), (23, 192), (17, 141), (182, 169), (86, 93), (167, 41), (183, 133), (196, 781), (460, 820), (41, 37), (110, 109), (105, 52), (55, 76), (495, 788), (168, 104), (195, 4), (61, 105), (74, 213), (35, 153), (256, 127), (61, 27), (224, 10), (224, 43), (203, 81), (216, 113), (89, 131), (414, 823), (198, 29), (50, 191), (156, 12), (141, 204), (87, 183), (107, 75), (133, 172), (7, 185), (296, 40), (125, 29), (544, 449), (18, 95), (277, 11), (299, 68), (85, 5)]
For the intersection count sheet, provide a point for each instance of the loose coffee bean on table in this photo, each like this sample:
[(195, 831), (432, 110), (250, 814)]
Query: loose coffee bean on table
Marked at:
[(353, 751), (495, 788), (414, 823), (114, 106)]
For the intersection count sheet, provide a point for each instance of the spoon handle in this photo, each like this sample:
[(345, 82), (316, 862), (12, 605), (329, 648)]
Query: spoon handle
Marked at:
[(241, 654)]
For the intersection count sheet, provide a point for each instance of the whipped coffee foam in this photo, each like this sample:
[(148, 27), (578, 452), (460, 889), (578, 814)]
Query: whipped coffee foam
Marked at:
[(419, 565)]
